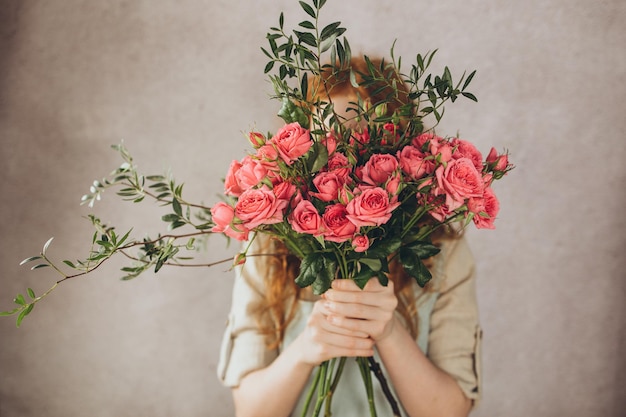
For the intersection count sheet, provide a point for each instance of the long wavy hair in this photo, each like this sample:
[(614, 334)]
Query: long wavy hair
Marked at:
[(279, 267)]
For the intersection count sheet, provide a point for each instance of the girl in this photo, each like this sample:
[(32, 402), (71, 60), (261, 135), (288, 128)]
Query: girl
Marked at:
[(426, 339)]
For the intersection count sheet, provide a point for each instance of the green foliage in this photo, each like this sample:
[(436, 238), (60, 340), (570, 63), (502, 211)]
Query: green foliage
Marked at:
[(151, 253)]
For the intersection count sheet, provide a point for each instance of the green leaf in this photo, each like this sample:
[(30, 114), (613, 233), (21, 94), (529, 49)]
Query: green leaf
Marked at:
[(317, 158), (306, 38), (414, 266), (327, 43), (310, 267), (32, 258), (177, 207), (9, 313), (321, 284), (469, 95), (289, 112), (383, 248), (308, 9), (306, 24), (325, 276), (171, 217), (331, 31), (353, 80), (373, 263), (267, 54), (341, 53), (383, 279), (31, 293), (468, 80), (70, 264), (23, 314), (423, 249), (39, 266), (19, 299), (123, 239), (363, 276), (177, 224), (47, 245), (304, 86)]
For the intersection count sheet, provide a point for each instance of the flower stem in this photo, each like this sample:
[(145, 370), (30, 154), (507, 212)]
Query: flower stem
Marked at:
[(367, 380), (309, 395), (321, 390), (378, 373)]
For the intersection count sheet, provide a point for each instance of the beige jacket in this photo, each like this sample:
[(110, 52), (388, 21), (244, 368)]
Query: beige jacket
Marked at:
[(449, 331)]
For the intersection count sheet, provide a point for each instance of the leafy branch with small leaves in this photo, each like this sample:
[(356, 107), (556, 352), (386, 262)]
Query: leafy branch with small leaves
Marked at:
[(168, 248)]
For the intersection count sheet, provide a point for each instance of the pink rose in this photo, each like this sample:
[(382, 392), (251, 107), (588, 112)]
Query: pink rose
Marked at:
[(412, 162), (441, 149), (392, 137), (361, 137), (223, 216), (393, 184), (284, 190), (256, 139), (358, 140), (379, 168), (425, 138), (292, 141), (231, 183), (465, 149), (267, 152), (273, 171), (371, 208), (336, 224), (360, 243), (439, 211), (491, 206), (338, 164), (259, 206), (330, 141), (499, 163), (327, 185), (487, 179), (459, 180), (306, 219), (251, 173)]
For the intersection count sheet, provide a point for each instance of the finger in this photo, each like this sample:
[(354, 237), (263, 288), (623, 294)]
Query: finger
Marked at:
[(348, 344), (325, 324), (351, 324), (384, 301), (358, 311), (373, 284)]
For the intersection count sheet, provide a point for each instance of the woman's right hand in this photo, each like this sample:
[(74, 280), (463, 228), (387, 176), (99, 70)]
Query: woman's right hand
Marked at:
[(321, 340)]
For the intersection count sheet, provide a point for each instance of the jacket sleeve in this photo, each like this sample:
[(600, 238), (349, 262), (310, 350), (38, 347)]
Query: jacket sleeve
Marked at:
[(455, 334), (243, 348)]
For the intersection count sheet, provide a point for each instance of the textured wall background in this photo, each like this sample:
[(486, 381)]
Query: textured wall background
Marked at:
[(180, 81)]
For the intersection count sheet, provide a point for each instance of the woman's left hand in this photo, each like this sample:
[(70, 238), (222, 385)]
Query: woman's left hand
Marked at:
[(369, 310)]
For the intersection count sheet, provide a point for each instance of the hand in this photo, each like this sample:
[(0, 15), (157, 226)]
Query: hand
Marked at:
[(322, 340), (369, 311)]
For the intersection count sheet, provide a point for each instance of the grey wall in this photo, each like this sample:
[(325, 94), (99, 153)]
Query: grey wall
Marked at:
[(181, 81)]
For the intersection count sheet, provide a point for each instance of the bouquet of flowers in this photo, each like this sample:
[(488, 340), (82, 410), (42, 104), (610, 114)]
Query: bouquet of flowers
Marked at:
[(347, 190)]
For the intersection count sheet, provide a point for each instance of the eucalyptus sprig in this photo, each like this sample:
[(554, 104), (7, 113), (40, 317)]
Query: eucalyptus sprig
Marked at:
[(151, 253)]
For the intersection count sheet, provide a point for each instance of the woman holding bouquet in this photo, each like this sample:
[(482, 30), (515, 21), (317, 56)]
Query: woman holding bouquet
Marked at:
[(426, 339)]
